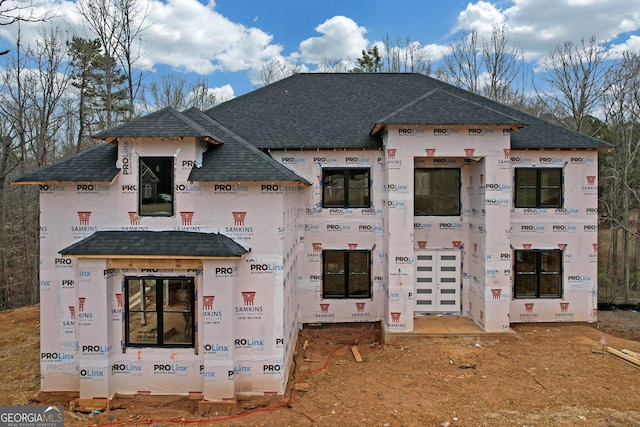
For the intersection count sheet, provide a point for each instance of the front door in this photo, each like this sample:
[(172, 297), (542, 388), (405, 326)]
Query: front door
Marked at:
[(437, 281)]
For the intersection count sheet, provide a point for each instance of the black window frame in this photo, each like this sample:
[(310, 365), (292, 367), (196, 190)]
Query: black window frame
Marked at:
[(345, 187), (346, 273), (156, 198), (159, 312), (454, 212), (538, 187), (523, 274)]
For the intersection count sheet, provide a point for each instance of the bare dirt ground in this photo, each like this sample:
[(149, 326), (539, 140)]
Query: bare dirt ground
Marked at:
[(542, 375)]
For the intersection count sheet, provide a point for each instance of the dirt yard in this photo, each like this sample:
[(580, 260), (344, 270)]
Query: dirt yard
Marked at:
[(543, 375)]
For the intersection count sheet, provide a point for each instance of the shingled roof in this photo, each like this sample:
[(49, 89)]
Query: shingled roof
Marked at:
[(333, 110), (445, 108), (167, 122), (236, 159), (158, 244), (97, 164)]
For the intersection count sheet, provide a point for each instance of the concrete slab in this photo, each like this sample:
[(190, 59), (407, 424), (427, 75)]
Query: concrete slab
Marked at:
[(446, 326)]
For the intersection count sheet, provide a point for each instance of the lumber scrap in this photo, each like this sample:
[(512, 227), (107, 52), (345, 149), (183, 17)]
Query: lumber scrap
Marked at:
[(631, 353), (356, 354), (630, 359)]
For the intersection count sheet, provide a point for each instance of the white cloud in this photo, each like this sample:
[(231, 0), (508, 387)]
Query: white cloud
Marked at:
[(341, 38), (539, 26)]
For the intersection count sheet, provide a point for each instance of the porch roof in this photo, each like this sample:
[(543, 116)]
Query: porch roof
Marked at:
[(155, 244)]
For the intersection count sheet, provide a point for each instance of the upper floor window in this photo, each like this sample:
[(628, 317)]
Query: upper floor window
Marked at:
[(437, 192), (538, 188), (155, 186), (159, 311), (538, 274), (346, 274), (345, 188)]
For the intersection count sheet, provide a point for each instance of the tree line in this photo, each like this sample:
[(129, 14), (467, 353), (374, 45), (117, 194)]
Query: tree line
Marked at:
[(58, 90)]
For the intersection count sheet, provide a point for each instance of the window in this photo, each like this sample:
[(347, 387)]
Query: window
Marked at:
[(345, 188), (538, 187), (155, 186), (437, 192), (538, 274), (346, 274), (159, 311)]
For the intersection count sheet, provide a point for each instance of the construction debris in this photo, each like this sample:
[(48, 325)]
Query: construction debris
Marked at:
[(626, 355)]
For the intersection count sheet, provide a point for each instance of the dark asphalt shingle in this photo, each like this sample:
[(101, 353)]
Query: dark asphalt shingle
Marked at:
[(333, 110), (97, 164), (156, 243), (167, 122)]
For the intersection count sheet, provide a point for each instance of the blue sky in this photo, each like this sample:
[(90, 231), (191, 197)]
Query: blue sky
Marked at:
[(227, 41)]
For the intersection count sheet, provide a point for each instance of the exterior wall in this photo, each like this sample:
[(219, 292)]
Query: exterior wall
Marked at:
[(574, 228), (245, 327), (249, 311), (485, 193), (334, 228)]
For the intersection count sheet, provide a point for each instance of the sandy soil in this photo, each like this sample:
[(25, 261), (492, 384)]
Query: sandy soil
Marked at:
[(544, 375)]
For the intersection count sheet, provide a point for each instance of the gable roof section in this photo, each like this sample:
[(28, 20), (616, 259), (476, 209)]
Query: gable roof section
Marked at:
[(164, 123), (155, 244), (333, 110), (97, 164), (236, 159), (444, 108)]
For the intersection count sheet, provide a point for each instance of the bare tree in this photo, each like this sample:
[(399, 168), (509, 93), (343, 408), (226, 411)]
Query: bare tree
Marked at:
[(18, 11), (491, 66), (176, 92), (576, 75), (619, 170), (461, 66), (406, 56), (277, 69)]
